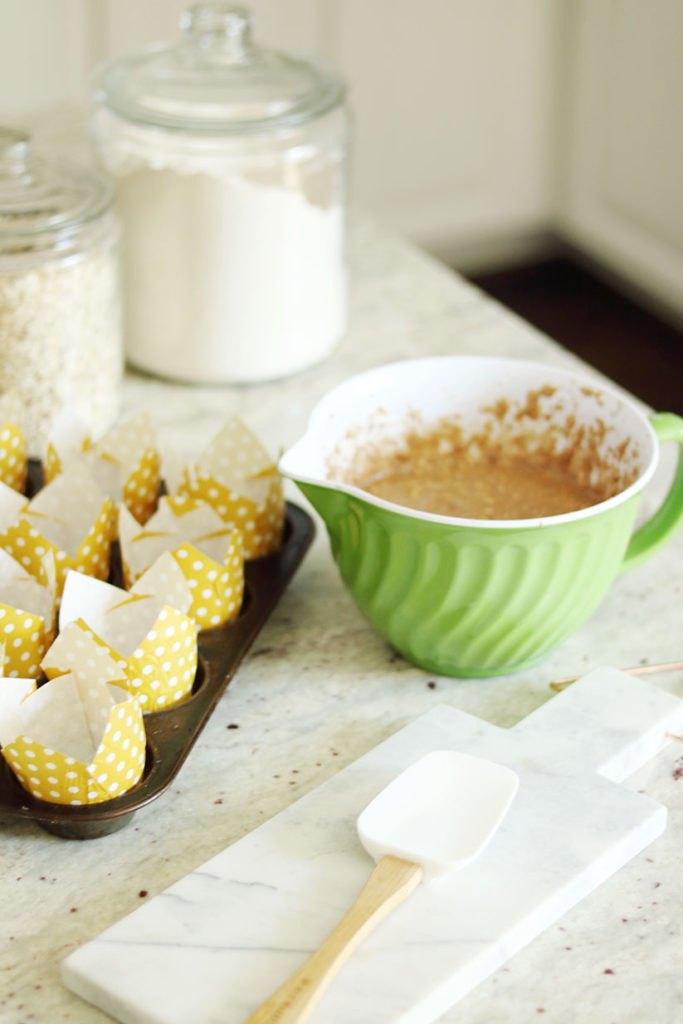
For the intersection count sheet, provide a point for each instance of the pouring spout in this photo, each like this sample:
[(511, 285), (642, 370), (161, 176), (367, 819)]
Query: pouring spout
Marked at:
[(304, 463)]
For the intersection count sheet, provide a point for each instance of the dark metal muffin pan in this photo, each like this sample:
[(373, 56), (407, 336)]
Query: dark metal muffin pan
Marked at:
[(171, 733)]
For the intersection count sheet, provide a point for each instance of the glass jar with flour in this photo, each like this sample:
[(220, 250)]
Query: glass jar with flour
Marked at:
[(230, 168)]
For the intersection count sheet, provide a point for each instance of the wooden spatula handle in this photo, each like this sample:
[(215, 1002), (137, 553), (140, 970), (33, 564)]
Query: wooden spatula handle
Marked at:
[(391, 881)]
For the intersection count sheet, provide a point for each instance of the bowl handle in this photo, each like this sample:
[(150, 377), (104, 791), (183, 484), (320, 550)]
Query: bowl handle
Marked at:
[(660, 528)]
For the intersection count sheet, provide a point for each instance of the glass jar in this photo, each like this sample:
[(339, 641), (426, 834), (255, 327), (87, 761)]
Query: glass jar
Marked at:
[(230, 169), (60, 322)]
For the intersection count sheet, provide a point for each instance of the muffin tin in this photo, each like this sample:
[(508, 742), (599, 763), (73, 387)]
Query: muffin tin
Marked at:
[(172, 733)]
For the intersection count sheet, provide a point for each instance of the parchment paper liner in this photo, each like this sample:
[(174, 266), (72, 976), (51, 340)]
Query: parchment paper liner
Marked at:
[(236, 476), (125, 462), (208, 551), (74, 740), (27, 616), (72, 519), (145, 630)]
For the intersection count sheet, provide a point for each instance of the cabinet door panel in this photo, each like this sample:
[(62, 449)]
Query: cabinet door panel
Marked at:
[(45, 55), (454, 103), (622, 199)]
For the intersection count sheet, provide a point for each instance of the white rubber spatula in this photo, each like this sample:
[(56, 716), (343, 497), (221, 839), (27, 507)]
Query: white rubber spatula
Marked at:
[(434, 818)]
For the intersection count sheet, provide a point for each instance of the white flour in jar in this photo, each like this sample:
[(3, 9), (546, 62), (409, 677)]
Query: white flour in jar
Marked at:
[(228, 280)]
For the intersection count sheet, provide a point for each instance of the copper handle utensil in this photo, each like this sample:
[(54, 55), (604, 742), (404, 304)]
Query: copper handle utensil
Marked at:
[(434, 817)]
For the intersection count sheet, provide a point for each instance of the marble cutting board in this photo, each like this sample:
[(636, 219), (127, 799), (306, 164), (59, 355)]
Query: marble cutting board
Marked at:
[(212, 947)]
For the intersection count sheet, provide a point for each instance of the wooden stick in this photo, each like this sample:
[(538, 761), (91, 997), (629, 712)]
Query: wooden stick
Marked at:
[(640, 670)]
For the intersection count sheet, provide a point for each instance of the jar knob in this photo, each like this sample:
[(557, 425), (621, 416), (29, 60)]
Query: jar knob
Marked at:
[(15, 149), (220, 30)]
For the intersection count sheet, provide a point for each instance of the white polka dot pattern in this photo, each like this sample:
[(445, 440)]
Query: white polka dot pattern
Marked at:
[(217, 589), (70, 518), (28, 546), (177, 521), (260, 522), (13, 460), (25, 638), (132, 448), (141, 489), (100, 719), (154, 643), (125, 462), (27, 617), (236, 476), (161, 671)]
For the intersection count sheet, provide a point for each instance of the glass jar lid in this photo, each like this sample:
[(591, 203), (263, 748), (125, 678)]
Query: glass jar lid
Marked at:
[(216, 80), (44, 206)]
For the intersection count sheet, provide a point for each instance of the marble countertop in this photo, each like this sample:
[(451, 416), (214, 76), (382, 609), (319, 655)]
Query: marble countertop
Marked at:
[(320, 688)]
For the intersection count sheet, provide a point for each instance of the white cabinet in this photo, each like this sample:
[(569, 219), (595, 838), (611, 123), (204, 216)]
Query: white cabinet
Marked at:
[(621, 189), (45, 54), (454, 106)]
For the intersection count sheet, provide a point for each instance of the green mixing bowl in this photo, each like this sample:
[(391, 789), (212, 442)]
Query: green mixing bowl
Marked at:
[(469, 597)]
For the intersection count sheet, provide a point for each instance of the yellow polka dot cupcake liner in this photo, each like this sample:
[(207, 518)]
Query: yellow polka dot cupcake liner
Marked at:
[(27, 617), (72, 521), (75, 741), (131, 450), (217, 588), (125, 461), (215, 573), (153, 643), (261, 522), (54, 462), (141, 490), (162, 670), (236, 476), (25, 639), (13, 458), (28, 546)]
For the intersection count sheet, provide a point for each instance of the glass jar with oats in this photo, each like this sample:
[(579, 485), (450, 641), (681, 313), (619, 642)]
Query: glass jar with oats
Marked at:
[(60, 318)]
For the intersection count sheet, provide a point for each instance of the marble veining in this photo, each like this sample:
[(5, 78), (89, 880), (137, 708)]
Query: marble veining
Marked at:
[(569, 828)]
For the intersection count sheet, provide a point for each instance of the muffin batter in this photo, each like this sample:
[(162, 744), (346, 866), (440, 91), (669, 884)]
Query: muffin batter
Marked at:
[(431, 474)]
